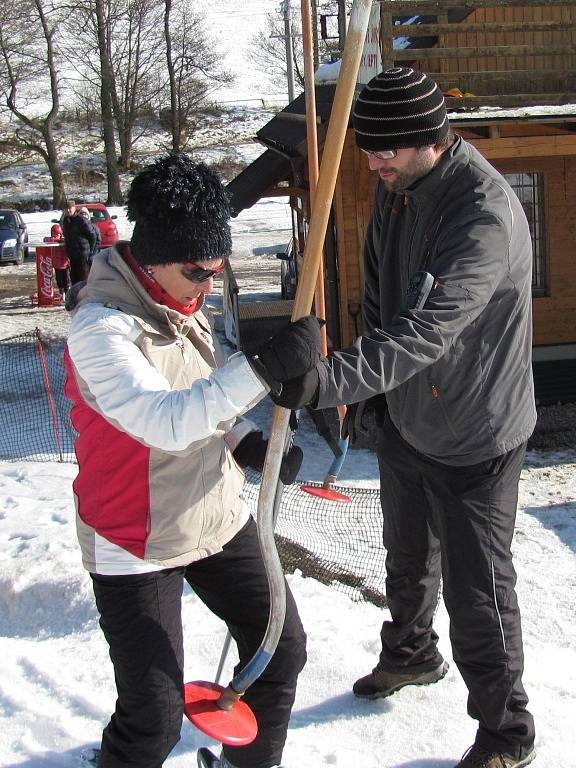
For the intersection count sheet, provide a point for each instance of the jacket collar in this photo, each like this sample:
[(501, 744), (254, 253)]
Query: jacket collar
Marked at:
[(450, 164), (112, 282)]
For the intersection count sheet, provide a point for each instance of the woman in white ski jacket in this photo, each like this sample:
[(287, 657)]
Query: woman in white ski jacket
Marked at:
[(160, 449)]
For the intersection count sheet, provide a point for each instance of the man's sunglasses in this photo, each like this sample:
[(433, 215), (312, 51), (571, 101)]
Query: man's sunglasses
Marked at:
[(385, 154), (197, 274)]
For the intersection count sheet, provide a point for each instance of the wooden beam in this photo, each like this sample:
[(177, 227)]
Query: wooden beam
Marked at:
[(499, 76), (425, 54), (430, 7), (526, 146), (285, 192), (511, 100), (434, 30)]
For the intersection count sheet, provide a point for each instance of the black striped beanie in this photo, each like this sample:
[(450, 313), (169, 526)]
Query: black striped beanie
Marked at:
[(400, 107)]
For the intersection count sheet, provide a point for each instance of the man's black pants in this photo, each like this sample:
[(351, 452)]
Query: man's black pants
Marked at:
[(456, 522), (140, 616)]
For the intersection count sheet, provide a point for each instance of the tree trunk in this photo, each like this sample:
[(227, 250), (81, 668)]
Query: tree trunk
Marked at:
[(174, 111), (106, 85), (58, 189)]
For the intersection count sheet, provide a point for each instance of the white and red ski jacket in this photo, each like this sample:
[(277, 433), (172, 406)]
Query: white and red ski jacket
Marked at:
[(155, 405)]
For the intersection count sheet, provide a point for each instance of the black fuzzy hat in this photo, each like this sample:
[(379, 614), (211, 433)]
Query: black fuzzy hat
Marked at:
[(400, 107), (181, 213)]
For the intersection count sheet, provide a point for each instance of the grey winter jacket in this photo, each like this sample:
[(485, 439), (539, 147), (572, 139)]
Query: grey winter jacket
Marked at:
[(457, 373)]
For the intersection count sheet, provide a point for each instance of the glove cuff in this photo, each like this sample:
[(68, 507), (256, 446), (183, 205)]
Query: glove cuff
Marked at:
[(260, 369)]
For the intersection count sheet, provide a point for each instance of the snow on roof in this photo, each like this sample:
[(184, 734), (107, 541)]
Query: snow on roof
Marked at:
[(328, 73), (494, 113)]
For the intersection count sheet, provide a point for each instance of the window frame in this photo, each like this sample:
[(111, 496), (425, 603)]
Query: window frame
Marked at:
[(537, 221)]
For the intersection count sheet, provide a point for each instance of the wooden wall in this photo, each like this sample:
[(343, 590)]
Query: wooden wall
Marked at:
[(555, 313), (530, 71), (517, 15), (352, 205)]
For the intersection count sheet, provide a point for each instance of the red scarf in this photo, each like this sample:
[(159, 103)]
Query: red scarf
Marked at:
[(155, 290)]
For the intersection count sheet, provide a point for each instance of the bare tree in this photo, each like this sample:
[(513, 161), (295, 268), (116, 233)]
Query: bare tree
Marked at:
[(194, 69), (128, 38), (269, 47), (136, 51), (269, 44), (106, 87), (28, 70)]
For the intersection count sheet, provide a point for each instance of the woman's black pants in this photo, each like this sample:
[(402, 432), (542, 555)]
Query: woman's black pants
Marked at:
[(140, 616)]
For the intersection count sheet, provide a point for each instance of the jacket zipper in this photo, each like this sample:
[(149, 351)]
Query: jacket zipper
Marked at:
[(180, 344), (412, 234)]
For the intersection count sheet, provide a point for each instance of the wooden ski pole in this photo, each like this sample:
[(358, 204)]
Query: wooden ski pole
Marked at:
[(329, 166)]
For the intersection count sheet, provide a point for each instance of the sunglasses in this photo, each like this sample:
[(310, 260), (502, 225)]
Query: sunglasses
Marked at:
[(385, 154), (197, 274)]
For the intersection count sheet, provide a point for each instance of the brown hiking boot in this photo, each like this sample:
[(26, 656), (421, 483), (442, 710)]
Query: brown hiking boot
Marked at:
[(478, 757), (380, 683)]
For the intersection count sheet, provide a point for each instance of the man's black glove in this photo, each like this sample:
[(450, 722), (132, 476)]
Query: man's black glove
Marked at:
[(251, 451), (290, 353), (364, 420), (327, 423), (298, 392)]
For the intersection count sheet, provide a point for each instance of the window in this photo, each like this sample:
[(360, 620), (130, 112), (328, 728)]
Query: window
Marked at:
[(529, 188)]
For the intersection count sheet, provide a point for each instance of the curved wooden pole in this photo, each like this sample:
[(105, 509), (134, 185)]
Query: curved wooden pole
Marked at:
[(329, 166)]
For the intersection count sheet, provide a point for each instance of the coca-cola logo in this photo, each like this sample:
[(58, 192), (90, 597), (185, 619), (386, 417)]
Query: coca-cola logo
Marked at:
[(45, 287)]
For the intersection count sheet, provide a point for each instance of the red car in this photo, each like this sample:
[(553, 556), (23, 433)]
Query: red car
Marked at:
[(100, 216)]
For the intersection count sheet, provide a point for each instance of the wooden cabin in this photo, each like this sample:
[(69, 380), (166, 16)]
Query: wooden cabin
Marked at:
[(508, 72)]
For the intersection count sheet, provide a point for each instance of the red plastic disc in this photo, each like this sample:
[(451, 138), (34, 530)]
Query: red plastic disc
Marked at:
[(236, 726), (326, 493)]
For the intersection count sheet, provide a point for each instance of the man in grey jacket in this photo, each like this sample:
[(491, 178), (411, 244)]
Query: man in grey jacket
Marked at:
[(445, 360)]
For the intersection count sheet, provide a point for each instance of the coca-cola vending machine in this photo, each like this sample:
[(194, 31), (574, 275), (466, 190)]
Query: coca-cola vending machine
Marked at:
[(45, 295)]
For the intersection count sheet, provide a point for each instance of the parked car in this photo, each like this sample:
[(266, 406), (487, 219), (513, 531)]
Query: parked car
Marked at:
[(13, 237), (100, 216)]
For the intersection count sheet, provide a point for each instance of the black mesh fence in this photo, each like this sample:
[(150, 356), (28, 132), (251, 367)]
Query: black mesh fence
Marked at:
[(34, 412), (338, 544)]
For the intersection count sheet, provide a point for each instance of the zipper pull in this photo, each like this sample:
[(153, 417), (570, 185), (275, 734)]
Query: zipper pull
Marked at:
[(435, 391)]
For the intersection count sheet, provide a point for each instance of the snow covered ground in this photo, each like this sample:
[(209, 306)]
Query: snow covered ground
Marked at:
[(56, 687)]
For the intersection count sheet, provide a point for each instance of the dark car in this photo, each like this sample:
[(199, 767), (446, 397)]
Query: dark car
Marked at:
[(13, 237), (288, 272), (100, 216)]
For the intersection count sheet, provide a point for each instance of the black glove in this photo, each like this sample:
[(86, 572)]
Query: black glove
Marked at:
[(327, 423), (290, 353), (298, 392), (251, 452), (364, 420)]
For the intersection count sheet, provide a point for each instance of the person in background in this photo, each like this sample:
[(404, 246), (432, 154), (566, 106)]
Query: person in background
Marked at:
[(80, 240), (161, 446), (98, 237), (445, 363), (60, 261)]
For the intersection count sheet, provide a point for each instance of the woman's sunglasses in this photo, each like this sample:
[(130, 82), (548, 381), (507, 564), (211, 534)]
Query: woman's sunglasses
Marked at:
[(197, 274)]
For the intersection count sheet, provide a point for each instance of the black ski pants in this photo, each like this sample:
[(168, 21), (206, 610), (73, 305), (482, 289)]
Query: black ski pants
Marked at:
[(140, 616), (456, 522)]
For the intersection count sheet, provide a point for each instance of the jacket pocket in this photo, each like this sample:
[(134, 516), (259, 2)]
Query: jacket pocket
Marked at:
[(443, 415)]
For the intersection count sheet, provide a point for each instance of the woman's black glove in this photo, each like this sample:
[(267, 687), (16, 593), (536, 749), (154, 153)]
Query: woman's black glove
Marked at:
[(292, 352), (251, 451)]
